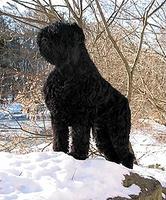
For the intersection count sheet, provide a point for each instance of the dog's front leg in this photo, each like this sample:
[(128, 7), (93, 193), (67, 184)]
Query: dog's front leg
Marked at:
[(60, 135), (80, 141)]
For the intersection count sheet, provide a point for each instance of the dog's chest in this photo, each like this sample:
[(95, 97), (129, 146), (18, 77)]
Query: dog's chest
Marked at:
[(67, 94), (69, 98), (71, 103)]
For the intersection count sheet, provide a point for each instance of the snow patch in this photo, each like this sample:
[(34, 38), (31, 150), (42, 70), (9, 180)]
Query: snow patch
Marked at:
[(147, 149), (57, 176)]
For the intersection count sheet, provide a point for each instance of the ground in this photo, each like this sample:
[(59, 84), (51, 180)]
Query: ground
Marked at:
[(48, 175)]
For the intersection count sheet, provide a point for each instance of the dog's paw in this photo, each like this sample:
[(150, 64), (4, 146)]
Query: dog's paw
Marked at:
[(128, 161), (77, 156)]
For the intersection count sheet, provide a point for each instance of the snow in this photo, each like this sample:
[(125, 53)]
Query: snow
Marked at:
[(154, 125), (57, 176), (14, 108), (147, 149)]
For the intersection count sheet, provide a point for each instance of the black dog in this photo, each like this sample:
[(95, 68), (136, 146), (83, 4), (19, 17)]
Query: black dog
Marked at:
[(78, 96)]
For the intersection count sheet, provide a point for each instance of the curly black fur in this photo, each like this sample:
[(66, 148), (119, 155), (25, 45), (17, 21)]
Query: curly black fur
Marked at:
[(78, 96)]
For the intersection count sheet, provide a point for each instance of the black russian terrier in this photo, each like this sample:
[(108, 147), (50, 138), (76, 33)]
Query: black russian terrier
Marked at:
[(77, 96)]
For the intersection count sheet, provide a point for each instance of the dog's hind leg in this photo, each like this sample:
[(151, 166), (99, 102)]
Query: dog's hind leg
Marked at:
[(102, 139), (119, 130)]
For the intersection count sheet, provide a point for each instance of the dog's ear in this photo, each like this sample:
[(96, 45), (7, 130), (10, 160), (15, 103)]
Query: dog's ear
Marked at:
[(78, 32)]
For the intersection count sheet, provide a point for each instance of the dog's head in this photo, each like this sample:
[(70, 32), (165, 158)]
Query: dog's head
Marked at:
[(60, 42)]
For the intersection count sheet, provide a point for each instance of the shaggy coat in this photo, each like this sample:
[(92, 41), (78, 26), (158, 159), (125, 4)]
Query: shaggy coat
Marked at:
[(77, 96)]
